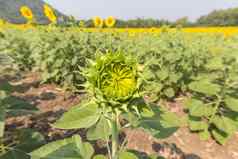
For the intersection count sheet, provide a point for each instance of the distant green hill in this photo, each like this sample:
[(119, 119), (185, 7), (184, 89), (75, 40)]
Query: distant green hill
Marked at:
[(9, 10)]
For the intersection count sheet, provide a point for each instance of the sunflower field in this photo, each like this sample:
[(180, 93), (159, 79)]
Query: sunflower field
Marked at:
[(126, 78)]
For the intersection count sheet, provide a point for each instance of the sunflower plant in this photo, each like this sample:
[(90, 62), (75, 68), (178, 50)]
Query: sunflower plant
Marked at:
[(114, 103), (213, 108)]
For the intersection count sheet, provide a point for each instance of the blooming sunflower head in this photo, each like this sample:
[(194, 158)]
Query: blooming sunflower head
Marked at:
[(49, 13), (98, 22), (26, 12), (115, 76), (2, 22), (110, 21)]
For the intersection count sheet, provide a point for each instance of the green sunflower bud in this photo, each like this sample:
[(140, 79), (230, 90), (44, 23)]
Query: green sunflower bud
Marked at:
[(115, 76)]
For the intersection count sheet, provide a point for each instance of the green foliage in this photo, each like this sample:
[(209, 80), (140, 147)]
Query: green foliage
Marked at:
[(125, 76), (103, 126), (213, 107), (205, 87), (19, 51), (99, 157), (127, 155), (27, 140), (167, 75), (60, 57), (162, 124), (81, 116), (70, 148)]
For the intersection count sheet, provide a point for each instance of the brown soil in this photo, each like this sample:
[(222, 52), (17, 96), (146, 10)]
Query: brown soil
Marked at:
[(53, 101)]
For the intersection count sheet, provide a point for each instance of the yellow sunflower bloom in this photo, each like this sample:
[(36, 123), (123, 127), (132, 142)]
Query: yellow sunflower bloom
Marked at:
[(49, 13), (110, 21), (98, 22), (26, 13), (2, 22)]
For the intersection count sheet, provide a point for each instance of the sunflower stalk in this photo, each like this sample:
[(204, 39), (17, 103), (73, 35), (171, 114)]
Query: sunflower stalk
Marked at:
[(115, 135)]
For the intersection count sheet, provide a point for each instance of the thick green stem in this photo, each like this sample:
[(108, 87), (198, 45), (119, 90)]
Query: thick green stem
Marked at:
[(115, 136)]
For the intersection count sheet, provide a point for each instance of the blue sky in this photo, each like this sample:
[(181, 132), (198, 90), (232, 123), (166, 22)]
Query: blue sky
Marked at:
[(125, 9)]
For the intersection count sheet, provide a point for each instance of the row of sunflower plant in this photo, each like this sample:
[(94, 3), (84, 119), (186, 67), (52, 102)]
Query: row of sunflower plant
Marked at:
[(126, 77), (27, 13), (99, 22), (110, 22)]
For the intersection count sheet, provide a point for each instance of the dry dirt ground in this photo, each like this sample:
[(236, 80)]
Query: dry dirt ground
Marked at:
[(53, 101)]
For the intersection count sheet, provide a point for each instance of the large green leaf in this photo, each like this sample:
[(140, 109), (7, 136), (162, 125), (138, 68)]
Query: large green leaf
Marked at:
[(219, 136), (198, 109), (224, 124), (127, 155), (64, 149), (191, 102), (231, 103), (15, 154), (16, 106), (197, 125), (131, 118), (154, 127), (99, 157), (215, 64), (83, 116), (233, 116), (169, 119), (169, 92), (102, 130), (6, 86), (28, 141), (204, 86), (86, 149), (162, 74), (204, 135)]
